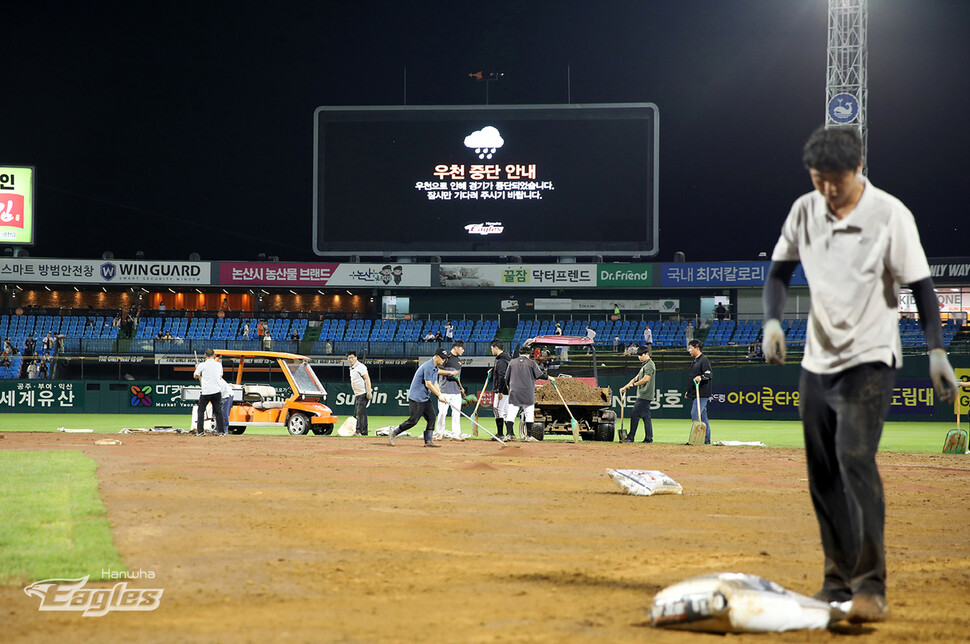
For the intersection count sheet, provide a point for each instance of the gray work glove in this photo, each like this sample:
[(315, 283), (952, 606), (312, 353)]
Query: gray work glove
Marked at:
[(773, 342), (370, 396), (944, 380)]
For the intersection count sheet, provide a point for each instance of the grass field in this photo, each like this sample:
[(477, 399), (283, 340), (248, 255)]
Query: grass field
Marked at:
[(55, 524), (911, 437)]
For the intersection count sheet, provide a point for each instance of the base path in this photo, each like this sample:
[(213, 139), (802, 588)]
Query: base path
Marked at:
[(265, 538)]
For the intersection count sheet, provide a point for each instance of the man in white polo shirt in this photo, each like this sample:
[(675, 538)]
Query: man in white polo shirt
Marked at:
[(208, 373), (361, 386), (856, 244)]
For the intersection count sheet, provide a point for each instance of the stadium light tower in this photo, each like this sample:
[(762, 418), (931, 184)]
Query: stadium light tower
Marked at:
[(846, 86)]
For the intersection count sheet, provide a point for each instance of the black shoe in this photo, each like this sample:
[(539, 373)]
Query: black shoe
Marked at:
[(647, 440), (627, 440), (431, 444)]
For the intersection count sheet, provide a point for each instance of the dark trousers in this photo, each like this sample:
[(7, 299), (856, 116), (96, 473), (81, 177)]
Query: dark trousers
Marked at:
[(216, 400), (641, 411), (843, 415), (360, 413), (419, 410)]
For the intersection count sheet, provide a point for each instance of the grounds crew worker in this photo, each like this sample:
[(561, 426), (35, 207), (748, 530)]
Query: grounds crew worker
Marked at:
[(419, 400), (208, 373), (646, 387), (700, 373), (449, 382), (522, 375), (363, 392), (500, 386), (857, 245)]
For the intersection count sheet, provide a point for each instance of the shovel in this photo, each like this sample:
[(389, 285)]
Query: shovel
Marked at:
[(477, 403), (698, 430), (572, 419), (956, 439)]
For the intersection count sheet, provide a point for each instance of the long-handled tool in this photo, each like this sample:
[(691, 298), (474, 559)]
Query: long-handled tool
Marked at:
[(956, 439), (622, 432), (477, 403), (475, 422), (572, 419), (698, 430)]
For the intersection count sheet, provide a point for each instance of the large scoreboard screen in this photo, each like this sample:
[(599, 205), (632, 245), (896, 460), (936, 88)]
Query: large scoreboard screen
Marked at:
[(524, 179)]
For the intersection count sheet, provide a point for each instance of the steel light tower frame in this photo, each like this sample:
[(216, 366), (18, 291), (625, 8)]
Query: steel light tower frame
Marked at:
[(847, 84)]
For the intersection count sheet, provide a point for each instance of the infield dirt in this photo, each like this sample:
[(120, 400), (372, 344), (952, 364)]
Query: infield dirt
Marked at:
[(260, 539)]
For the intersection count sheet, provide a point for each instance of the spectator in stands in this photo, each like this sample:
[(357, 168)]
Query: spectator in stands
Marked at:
[(449, 331), (44, 369), (558, 330), (720, 312), (689, 333), (616, 342), (437, 337), (161, 306), (30, 345), (363, 391), (59, 347), (129, 326), (616, 308), (245, 331), (8, 348), (260, 331), (295, 336), (225, 304), (116, 320), (32, 369), (48, 343), (160, 335), (328, 347), (591, 334), (267, 342), (647, 335), (429, 337), (4, 359)]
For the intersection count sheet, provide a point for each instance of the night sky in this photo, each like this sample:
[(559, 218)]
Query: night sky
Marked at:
[(188, 127)]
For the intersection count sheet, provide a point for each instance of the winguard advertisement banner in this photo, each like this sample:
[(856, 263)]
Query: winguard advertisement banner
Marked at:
[(104, 272)]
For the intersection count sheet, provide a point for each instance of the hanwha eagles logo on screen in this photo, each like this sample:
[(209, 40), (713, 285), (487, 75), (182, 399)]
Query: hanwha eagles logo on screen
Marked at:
[(488, 228)]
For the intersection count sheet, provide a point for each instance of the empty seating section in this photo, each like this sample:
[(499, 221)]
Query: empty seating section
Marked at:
[(670, 333)]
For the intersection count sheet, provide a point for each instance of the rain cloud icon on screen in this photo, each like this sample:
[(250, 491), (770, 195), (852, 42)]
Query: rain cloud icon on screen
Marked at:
[(485, 141)]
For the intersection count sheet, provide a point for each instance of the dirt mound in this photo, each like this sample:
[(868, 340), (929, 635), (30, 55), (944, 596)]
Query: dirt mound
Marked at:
[(573, 391)]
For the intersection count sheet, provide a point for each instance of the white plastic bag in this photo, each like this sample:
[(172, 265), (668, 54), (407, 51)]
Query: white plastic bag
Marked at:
[(738, 603), (645, 482), (348, 427)]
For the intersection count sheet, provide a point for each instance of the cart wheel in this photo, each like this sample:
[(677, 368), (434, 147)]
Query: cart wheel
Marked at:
[(322, 430), (237, 429), (604, 432), (298, 424), (538, 431)]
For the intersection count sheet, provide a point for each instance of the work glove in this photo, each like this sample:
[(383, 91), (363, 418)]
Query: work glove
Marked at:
[(370, 396), (773, 343), (944, 380)]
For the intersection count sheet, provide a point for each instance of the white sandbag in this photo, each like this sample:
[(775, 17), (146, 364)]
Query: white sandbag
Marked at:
[(348, 427), (645, 482), (738, 603), (739, 443), (71, 430)]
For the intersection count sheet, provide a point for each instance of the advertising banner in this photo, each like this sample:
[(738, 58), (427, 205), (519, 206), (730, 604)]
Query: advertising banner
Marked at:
[(104, 272), (321, 274), (16, 204), (725, 274), (635, 275), (512, 275)]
